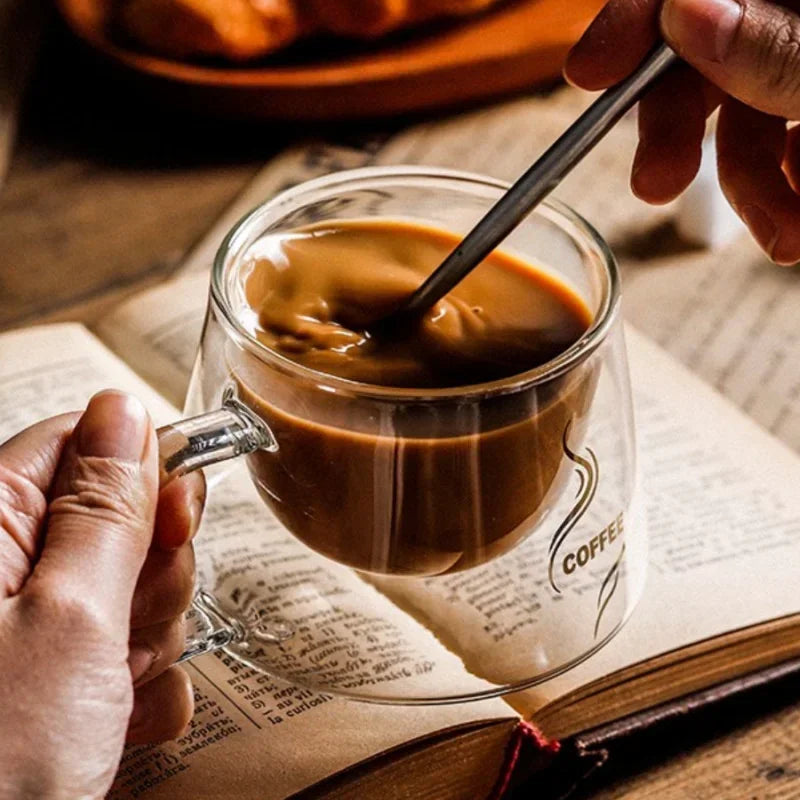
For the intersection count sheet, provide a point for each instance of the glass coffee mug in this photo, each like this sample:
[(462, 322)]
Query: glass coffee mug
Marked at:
[(472, 541)]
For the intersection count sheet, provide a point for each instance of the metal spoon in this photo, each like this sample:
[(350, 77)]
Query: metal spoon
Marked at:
[(535, 184)]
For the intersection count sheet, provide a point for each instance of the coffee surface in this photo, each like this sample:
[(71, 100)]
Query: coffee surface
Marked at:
[(408, 488), (314, 292)]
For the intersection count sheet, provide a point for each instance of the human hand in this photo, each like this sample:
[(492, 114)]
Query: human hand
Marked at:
[(745, 56), (96, 570)]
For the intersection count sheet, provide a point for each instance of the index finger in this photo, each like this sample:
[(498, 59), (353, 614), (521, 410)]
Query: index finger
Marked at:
[(751, 146), (33, 454), (28, 462), (615, 44)]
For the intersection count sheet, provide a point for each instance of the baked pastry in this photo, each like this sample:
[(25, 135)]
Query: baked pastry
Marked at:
[(234, 29), (244, 29)]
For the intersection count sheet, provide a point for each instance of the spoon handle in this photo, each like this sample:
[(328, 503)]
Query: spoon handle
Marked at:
[(540, 179)]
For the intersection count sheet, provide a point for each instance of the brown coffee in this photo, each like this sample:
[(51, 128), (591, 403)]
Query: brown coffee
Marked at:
[(408, 486), (316, 291)]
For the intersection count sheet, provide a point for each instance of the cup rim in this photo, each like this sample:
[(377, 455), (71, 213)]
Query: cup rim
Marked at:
[(576, 227)]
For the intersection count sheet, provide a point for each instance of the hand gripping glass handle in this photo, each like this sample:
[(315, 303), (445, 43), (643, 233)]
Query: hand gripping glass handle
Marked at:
[(190, 444)]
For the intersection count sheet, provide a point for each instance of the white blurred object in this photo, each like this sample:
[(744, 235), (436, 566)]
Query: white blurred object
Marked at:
[(21, 23), (702, 214)]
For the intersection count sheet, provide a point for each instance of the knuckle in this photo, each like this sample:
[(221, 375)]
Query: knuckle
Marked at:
[(779, 60), (104, 489), (174, 639), (22, 507), (167, 640), (67, 611), (166, 705)]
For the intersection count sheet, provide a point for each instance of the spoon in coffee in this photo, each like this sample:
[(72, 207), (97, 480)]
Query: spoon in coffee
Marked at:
[(529, 190)]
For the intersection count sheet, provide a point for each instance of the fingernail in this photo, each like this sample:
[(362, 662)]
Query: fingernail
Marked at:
[(565, 74), (140, 661), (762, 227), (701, 28), (114, 425)]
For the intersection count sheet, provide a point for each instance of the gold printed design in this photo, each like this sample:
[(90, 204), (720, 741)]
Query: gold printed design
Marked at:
[(611, 580), (588, 472)]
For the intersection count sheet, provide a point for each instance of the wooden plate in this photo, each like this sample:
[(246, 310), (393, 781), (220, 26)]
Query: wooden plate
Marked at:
[(518, 45)]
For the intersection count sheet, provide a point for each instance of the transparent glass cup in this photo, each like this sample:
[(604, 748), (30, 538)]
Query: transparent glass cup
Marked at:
[(503, 516)]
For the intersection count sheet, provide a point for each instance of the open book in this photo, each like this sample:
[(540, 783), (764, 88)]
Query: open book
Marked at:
[(720, 490)]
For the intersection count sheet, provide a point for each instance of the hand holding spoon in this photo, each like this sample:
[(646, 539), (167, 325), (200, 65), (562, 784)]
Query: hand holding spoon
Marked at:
[(535, 184)]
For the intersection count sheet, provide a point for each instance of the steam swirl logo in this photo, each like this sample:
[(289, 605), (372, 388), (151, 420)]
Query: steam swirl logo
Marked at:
[(588, 471)]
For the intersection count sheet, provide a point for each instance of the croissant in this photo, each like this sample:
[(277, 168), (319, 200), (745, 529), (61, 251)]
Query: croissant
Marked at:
[(244, 29)]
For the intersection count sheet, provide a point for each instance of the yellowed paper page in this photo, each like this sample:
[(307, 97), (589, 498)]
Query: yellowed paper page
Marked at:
[(157, 333), (253, 736), (732, 318), (51, 369)]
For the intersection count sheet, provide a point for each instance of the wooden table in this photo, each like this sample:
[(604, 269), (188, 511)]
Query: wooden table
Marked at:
[(102, 201)]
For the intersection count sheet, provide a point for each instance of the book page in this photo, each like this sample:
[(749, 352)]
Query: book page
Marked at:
[(721, 509), (289, 737), (50, 369), (731, 318), (157, 331)]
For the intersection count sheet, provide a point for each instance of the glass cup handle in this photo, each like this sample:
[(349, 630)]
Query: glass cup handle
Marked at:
[(210, 628), (213, 628), (190, 444), (197, 442)]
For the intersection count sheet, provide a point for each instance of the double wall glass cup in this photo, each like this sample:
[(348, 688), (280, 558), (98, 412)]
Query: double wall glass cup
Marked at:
[(419, 546)]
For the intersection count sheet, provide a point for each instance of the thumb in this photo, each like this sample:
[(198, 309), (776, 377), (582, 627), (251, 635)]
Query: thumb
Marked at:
[(102, 509), (749, 48)]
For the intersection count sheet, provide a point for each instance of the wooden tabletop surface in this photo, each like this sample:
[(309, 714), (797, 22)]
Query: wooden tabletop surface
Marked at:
[(102, 200)]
